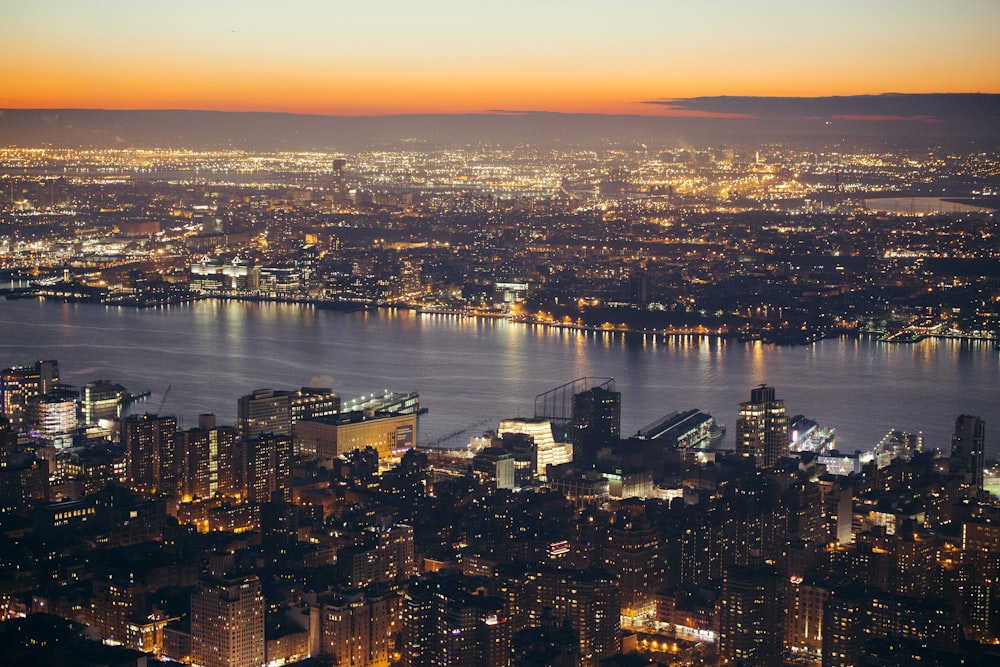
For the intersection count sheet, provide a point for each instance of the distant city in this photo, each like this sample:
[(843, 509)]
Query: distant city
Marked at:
[(759, 242), (317, 530)]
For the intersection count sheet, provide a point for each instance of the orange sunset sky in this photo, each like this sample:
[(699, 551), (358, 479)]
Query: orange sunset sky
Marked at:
[(376, 57)]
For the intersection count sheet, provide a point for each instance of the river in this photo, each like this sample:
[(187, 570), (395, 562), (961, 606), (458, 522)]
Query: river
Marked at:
[(475, 372)]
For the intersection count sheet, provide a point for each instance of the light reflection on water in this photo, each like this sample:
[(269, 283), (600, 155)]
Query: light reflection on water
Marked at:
[(467, 370)]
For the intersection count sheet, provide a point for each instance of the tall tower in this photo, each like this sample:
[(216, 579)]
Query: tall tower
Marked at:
[(762, 427), (339, 191), (227, 623), (968, 445)]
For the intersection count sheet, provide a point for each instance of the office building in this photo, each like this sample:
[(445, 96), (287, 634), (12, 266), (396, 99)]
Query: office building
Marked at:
[(101, 401), (52, 418), (331, 437), (542, 448), (494, 468), (278, 412), (762, 428)]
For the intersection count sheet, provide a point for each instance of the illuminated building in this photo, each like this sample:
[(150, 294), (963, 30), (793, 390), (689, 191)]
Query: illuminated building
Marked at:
[(580, 488), (267, 464), (331, 437), (101, 401), (53, 419), (444, 624), (210, 459), (20, 384), (632, 552), (151, 458), (762, 428), (968, 449), (588, 601), (678, 430), (855, 615), (751, 617), (236, 276), (360, 630), (227, 623), (385, 556), (804, 620), (545, 451)]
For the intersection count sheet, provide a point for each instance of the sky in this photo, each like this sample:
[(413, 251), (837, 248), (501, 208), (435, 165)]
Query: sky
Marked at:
[(382, 57)]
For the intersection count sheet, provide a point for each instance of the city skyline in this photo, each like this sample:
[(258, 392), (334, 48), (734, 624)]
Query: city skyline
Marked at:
[(444, 57)]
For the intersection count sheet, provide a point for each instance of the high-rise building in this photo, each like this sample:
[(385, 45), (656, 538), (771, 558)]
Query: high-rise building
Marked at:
[(277, 412), (227, 623), (597, 415), (19, 385), (444, 624), (267, 464), (209, 459), (968, 446), (339, 186), (751, 617), (762, 427), (359, 630), (151, 457), (588, 601)]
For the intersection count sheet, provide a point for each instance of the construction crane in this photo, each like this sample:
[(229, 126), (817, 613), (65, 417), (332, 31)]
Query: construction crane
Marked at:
[(160, 409)]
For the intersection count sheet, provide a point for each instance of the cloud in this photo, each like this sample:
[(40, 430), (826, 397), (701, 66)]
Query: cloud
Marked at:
[(321, 381)]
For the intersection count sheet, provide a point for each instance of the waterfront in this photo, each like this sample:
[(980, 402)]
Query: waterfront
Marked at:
[(476, 371)]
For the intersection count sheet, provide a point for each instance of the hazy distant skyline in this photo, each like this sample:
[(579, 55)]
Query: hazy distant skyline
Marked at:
[(443, 56)]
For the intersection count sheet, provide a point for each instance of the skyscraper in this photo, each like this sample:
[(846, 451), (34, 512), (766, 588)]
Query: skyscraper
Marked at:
[(762, 427), (968, 445), (751, 617), (209, 459), (597, 416), (151, 457), (227, 623)]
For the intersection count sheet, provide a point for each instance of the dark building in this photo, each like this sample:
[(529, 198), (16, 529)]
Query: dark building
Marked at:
[(597, 415), (968, 446)]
